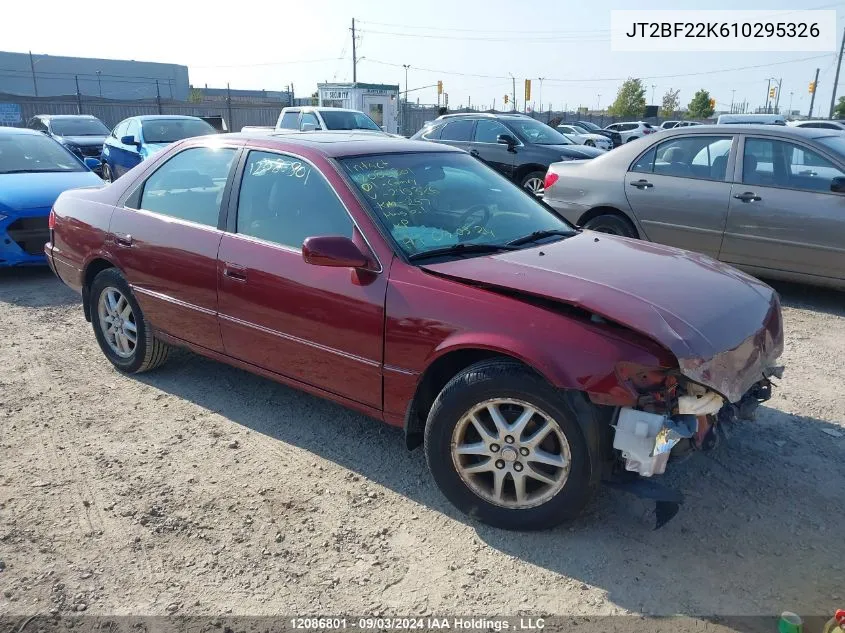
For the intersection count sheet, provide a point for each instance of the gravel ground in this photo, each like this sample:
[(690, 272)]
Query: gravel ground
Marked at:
[(202, 489)]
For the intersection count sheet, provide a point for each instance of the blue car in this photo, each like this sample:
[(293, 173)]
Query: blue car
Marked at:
[(135, 139), (34, 170)]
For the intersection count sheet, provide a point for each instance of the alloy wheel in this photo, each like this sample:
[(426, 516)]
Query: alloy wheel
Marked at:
[(510, 453), (117, 322), (535, 186)]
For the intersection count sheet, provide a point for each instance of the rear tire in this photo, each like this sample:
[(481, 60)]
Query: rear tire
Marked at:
[(632, 138), (612, 224), (454, 445), (122, 332), (535, 183)]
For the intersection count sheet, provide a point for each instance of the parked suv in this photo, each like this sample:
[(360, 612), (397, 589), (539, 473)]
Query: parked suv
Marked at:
[(516, 146), (595, 129), (311, 118), (82, 134), (632, 130)]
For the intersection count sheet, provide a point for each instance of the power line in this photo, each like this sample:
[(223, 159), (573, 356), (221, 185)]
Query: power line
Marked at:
[(296, 61), (594, 79), (527, 39), (443, 28)]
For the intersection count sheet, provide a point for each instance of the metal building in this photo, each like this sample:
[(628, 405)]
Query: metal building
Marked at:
[(379, 101), (39, 75)]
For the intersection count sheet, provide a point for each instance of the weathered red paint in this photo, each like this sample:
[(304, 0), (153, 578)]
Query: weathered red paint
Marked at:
[(364, 338)]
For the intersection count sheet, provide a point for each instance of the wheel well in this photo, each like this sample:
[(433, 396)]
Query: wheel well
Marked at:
[(523, 171), (431, 384), (94, 268), (594, 213)]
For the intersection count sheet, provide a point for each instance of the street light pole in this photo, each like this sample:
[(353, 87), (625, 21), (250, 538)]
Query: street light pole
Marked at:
[(405, 102), (513, 88), (652, 93), (733, 95)]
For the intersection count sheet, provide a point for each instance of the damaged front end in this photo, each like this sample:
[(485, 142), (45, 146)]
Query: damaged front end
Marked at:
[(673, 417)]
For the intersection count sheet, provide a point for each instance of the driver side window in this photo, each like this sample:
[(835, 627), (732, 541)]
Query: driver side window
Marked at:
[(285, 200)]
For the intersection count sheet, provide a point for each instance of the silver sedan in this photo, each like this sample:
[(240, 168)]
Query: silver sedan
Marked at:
[(767, 199)]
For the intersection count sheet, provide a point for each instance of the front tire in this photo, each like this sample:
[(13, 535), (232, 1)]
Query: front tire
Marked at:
[(632, 138), (535, 183), (505, 448), (122, 332), (612, 224), (590, 143), (107, 174)]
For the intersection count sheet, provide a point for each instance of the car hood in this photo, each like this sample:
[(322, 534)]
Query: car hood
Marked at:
[(577, 151), (35, 191), (83, 141), (722, 325)]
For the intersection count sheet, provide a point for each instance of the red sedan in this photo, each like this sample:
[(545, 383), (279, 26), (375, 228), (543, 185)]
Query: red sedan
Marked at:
[(410, 282)]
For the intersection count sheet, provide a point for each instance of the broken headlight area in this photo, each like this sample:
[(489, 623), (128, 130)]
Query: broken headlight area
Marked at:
[(674, 416)]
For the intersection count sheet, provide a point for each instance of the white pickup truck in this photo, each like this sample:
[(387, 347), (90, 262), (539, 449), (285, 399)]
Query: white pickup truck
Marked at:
[(316, 118)]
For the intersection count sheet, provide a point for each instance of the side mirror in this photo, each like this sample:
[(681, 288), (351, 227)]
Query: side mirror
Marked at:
[(92, 163), (129, 140), (837, 184), (307, 127), (333, 250), (506, 139)]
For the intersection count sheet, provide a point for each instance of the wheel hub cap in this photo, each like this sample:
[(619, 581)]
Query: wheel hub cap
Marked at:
[(117, 322), (510, 453)]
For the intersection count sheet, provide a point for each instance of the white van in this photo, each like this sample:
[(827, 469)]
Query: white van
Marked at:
[(754, 119)]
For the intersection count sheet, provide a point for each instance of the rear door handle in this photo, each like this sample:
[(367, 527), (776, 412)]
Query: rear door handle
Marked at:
[(748, 196), (123, 240), (641, 184), (233, 271)]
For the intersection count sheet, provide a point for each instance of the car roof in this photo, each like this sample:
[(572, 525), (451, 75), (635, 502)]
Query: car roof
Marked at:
[(320, 108), (13, 131), (64, 116), (838, 122), (158, 117), (342, 144), (483, 115), (751, 128)]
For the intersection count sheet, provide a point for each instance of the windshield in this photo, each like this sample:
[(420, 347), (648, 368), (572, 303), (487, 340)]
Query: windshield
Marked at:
[(589, 125), (340, 120), (429, 201), (79, 127), (34, 153), (533, 131), (172, 130), (835, 143)]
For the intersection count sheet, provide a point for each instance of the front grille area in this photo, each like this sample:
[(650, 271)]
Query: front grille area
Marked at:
[(92, 150), (31, 234)]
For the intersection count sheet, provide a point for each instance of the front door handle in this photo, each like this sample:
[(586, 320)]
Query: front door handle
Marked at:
[(474, 152), (748, 196), (641, 184), (123, 240), (233, 271)]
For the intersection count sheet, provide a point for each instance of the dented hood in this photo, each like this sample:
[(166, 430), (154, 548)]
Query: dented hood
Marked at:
[(722, 325)]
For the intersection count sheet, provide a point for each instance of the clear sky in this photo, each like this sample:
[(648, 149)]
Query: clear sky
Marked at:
[(471, 45)]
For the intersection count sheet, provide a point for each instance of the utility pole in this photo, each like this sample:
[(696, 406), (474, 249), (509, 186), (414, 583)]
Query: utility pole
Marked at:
[(354, 56), (99, 85), (158, 97), (733, 95), (836, 78), (35, 83), (768, 94), (652, 93), (790, 102), (229, 105), (777, 96), (815, 90), (78, 96), (513, 95)]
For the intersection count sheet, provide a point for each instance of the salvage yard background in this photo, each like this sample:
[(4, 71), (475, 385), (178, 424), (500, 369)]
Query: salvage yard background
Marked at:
[(203, 489)]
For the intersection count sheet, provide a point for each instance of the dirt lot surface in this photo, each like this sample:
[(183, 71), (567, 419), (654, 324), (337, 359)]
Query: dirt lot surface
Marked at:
[(202, 489)]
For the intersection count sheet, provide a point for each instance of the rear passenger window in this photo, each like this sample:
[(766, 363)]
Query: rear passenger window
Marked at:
[(290, 121), (285, 200), (190, 185), (457, 131), (645, 163)]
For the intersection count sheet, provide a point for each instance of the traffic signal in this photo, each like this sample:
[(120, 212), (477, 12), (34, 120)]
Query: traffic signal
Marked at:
[(772, 93), (712, 104), (439, 87), (507, 99), (812, 87), (527, 90)]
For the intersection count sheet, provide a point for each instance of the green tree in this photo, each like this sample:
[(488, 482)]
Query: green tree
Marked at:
[(630, 100), (839, 110), (699, 107), (195, 96), (671, 103)]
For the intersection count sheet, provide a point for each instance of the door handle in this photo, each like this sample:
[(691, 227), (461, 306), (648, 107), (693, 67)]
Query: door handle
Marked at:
[(123, 240), (233, 271), (641, 184), (748, 196), (474, 152)]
